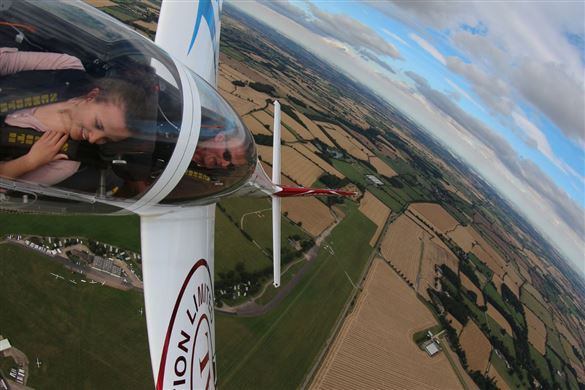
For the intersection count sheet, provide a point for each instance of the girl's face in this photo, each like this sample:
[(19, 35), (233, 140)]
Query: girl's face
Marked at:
[(97, 122)]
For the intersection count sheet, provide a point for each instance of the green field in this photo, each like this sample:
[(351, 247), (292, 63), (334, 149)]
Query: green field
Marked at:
[(87, 336), (513, 380), (504, 337), (540, 363), (557, 365), (553, 340), (537, 307), (233, 248), (481, 266), (276, 351), (123, 232), (490, 290), (271, 291)]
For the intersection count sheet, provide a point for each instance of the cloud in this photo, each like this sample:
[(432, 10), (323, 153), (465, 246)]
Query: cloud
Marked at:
[(337, 26), (492, 91), (429, 48), (463, 93), (549, 88), (396, 37), (368, 56), (525, 170)]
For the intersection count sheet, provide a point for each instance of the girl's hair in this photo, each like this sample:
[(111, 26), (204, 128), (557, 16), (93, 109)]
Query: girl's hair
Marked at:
[(136, 91)]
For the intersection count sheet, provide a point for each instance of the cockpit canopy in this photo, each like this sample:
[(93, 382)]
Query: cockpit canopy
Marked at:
[(121, 101)]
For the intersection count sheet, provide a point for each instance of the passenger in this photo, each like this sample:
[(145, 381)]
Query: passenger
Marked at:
[(101, 115)]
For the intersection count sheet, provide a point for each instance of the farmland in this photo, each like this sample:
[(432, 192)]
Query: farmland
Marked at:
[(402, 246), (477, 347), (376, 211), (376, 338)]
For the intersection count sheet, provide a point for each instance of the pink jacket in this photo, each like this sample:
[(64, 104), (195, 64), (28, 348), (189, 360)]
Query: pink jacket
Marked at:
[(13, 61)]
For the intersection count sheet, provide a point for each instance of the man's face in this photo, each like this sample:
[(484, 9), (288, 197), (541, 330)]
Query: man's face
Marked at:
[(219, 152)]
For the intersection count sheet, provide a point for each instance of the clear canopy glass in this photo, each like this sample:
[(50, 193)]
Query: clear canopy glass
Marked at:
[(91, 112)]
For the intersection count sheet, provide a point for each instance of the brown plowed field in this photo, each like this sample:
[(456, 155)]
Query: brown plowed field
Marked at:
[(565, 331), (434, 254), (255, 126), (436, 215), (499, 318), (454, 323), (374, 348), (468, 284), (462, 237), (500, 382), (382, 167), (241, 106), (294, 165), (402, 246), (346, 141), (376, 211), (267, 119), (315, 130), (296, 126), (476, 346), (512, 285), (308, 151), (100, 3), (536, 330), (314, 215)]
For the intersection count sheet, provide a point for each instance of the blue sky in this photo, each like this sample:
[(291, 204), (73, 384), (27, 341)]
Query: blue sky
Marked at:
[(501, 84)]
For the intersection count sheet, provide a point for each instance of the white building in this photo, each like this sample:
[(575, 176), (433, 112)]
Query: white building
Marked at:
[(4, 345)]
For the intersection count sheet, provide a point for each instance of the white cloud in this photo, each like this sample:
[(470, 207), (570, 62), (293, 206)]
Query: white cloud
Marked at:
[(396, 37), (429, 48)]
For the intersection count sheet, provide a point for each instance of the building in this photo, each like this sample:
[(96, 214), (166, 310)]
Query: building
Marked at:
[(431, 347), (374, 180), (4, 345)]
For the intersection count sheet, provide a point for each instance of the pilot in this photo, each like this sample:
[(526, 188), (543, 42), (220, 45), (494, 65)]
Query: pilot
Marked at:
[(99, 116), (220, 152)]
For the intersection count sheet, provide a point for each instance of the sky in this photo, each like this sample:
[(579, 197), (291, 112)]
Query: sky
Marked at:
[(499, 84)]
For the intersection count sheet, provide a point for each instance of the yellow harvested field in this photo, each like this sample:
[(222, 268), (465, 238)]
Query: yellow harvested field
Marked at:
[(382, 167), (536, 330), (315, 130), (525, 274), (308, 150), (565, 331), (314, 215), (241, 106), (374, 347), (249, 93), (436, 215), (100, 3), (376, 211), (454, 323), (296, 127), (512, 285), (294, 165), (476, 346), (500, 382), (346, 141), (225, 85), (255, 126), (468, 284), (231, 73), (150, 26), (462, 237), (499, 318), (491, 262), (434, 253), (533, 291), (401, 246), (267, 119)]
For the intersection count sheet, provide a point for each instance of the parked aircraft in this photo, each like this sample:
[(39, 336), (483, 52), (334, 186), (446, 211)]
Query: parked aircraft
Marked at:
[(147, 133)]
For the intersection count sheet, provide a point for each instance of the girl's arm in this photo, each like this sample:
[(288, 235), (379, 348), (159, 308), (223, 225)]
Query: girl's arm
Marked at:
[(45, 150), (13, 61)]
